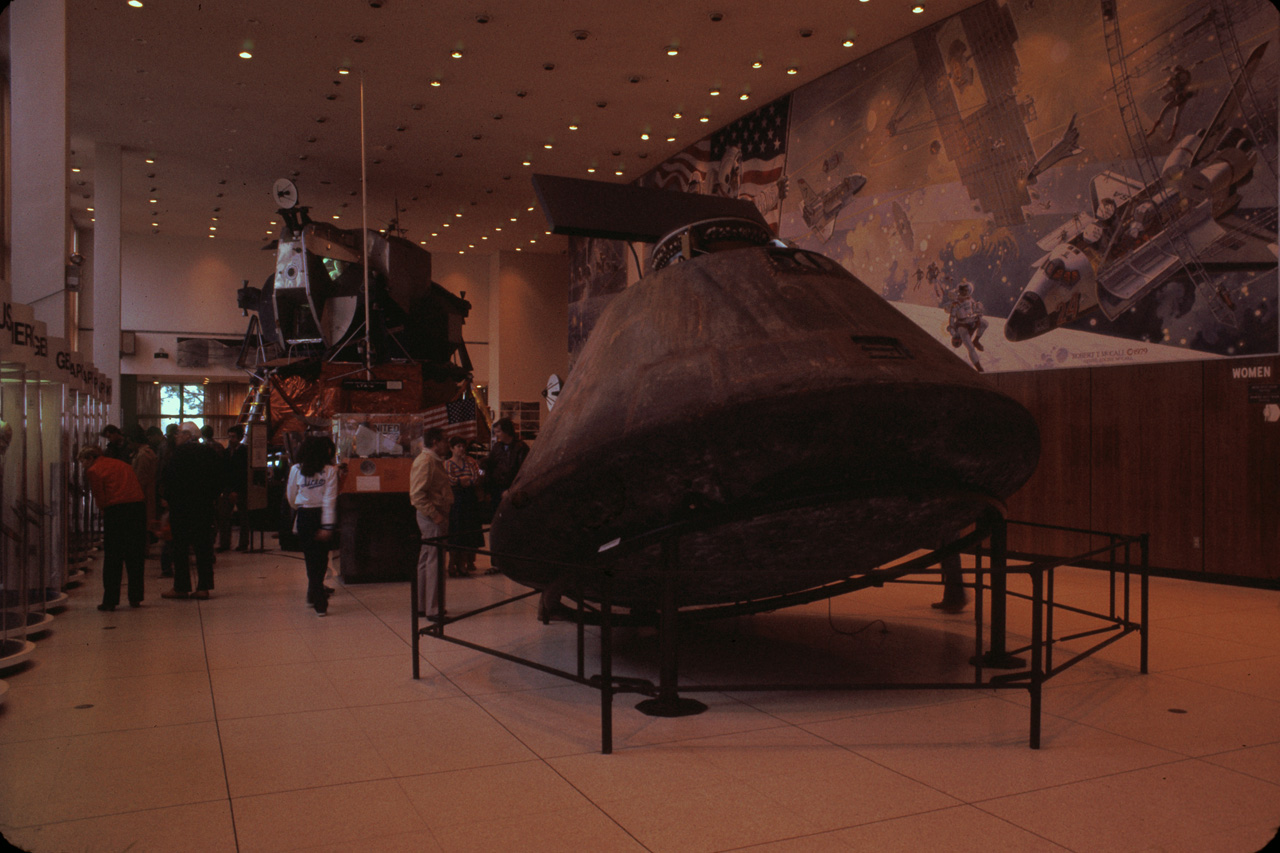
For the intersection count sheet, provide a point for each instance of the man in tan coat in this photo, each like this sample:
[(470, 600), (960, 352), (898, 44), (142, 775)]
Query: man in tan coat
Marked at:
[(432, 496)]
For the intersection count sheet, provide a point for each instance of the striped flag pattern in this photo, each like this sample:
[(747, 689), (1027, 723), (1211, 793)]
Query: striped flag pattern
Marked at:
[(745, 159), (456, 418)]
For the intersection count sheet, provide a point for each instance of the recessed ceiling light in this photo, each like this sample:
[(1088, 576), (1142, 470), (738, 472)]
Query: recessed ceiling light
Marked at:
[(344, 70), (137, 4), (148, 160), (677, 114), (617, 172), (917, 9), (154, 200), (671, 139), (335, 216), (673, 50), (89, 209), (244, 54), (457, 54), (705, 119), (530, 208), (793, 70), (644, 136), (591, 170), (547, 145), (526, 163), (513, 219), (74, 169), (849, 42), (435, 83), (744, 96), (757, 64), (714, 92), (573, 127)]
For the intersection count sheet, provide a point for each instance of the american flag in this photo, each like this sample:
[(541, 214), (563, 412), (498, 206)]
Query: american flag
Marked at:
[(456, 418), (745, 159)]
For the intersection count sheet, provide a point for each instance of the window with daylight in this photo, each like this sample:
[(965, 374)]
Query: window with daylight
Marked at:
[(179, 403)]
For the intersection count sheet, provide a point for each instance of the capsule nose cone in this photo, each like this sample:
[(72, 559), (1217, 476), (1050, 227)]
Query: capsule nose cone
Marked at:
[(1028, 319)]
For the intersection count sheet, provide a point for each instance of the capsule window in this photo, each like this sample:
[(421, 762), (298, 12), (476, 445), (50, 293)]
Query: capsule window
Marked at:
[(880, 346)]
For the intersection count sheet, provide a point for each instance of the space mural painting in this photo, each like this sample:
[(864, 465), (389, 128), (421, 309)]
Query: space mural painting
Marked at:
[(1102, 172)]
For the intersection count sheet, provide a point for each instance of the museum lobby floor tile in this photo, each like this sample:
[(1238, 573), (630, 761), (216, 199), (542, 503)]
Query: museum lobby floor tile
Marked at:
[(246, 723)]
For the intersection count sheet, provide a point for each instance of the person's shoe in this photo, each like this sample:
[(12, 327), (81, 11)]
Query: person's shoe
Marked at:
[(107, 608), (137, 603), (202, 594), (330, 590), (173, 593), (951, 605), (978, 347)]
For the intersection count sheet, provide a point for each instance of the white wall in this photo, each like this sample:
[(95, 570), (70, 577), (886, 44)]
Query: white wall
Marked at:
[(532, 313), (187, 284)]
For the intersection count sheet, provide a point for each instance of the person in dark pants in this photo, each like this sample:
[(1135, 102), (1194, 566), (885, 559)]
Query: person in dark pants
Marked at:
[(192, 483), (313, 493), (124, 524), (237, 484)]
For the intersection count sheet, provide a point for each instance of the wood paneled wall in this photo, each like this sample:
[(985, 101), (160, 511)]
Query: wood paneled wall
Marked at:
[(1182, 451)]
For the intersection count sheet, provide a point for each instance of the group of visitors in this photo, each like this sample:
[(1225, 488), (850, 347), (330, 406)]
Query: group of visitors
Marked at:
[(168, 487), (450, 495)]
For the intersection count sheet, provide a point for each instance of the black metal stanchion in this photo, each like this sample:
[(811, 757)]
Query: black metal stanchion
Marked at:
[(413, 617), (606, 667), (1037, 653), (1143, 633), (668, 702), (998, 657)]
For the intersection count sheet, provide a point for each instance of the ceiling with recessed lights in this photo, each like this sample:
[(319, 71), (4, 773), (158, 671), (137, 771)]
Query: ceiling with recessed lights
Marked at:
[(213, 101)]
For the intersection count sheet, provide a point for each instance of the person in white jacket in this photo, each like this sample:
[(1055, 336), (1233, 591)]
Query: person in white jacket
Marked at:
[(313, 493)]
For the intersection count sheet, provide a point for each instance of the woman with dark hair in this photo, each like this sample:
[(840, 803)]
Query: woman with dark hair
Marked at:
[(464, 517), (313, 492)]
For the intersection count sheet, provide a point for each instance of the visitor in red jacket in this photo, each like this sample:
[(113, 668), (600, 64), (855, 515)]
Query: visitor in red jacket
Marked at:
[(119, 496)]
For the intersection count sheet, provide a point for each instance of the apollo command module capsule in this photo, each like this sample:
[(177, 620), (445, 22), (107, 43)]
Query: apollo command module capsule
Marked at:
[(817, 430)]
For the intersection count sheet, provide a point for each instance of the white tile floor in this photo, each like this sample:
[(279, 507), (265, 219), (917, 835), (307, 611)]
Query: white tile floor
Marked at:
[(246, 723)]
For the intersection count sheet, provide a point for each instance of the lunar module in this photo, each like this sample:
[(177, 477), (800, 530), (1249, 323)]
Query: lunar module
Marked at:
[(350, 337)]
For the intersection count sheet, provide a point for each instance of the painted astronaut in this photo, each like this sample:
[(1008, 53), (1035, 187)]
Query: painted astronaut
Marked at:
[(967, 323)]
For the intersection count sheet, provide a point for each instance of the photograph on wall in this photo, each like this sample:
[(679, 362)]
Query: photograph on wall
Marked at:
[(1038, 185)]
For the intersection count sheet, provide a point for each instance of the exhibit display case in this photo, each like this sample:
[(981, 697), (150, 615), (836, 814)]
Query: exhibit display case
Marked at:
[(378, 527), (21, 606)]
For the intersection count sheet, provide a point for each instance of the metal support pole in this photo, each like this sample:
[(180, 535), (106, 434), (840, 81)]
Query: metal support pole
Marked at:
[(668, 702), (998, 657), (413, 617), (606, 667), (1143, 632), (1037, 653)]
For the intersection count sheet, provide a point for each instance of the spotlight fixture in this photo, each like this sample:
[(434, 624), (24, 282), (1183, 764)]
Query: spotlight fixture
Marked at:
[(677, 114), (757, 64), (714, 92), (705, 119), (744, 96), (137, 4), (793, 70), (244, 54), (344, 70), (457, 54), (673, 50)]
